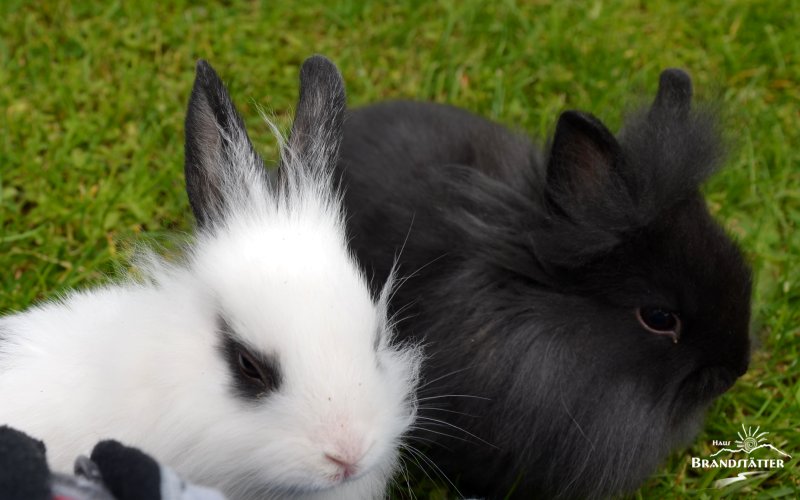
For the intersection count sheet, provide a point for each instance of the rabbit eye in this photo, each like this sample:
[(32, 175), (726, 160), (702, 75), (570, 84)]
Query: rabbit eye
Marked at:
[(660, 321), (249, 368), (258, 374), (253, 374)]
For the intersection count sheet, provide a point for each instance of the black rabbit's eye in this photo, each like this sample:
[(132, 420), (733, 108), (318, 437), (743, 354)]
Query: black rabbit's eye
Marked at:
[(661, 321), (658, 319)]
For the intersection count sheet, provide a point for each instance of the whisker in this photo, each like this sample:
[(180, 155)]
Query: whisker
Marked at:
[(427, 398), (442, 422), (451, 436), (434, 408), (414, 457), (405, 474), (440, 472), (418, 270), (429, 441), (429, 382)]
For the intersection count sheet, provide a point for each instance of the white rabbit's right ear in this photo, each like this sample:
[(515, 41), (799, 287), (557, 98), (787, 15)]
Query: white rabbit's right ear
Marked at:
[(221, 165), (317, 129)]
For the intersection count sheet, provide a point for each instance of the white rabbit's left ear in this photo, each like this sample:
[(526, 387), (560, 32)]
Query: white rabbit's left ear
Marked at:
[(221, 165)]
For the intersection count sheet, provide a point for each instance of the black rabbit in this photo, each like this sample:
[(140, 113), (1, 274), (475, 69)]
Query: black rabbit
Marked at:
[(579, 309)]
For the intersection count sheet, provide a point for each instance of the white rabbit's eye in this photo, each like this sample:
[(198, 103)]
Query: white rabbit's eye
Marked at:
[(257, 373), (254, 374), (660, 320), (248, 366)]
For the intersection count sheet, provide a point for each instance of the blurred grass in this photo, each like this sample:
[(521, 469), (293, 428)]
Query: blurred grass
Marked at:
[(92, 97)]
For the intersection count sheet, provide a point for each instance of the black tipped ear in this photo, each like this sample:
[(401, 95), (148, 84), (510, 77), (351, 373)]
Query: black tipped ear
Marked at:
[(674, 93), (317, 129), (220, 159), (583, 158)]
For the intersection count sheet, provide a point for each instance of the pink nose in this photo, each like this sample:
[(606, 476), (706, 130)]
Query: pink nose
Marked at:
[(347, 466)]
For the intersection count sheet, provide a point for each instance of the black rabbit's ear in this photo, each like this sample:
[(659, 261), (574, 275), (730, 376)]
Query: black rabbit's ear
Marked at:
[(317, 129), (674, 93), (583, 160), (220, 160)]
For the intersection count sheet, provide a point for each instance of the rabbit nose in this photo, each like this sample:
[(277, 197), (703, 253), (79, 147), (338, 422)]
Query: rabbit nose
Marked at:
[(347, 464)]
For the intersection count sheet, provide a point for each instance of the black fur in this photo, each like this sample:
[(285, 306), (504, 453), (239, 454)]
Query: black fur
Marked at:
[(525, 277), (216, 137), (214, 132), (268, 366), (317, 128)]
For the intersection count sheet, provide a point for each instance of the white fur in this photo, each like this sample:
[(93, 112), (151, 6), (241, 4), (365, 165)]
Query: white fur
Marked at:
[(140, 361)]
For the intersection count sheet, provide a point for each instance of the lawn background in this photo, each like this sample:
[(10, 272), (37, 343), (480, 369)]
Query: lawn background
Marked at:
[(93, 94)]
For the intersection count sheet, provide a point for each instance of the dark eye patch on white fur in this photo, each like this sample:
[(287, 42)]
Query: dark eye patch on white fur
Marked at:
[(253, 374)]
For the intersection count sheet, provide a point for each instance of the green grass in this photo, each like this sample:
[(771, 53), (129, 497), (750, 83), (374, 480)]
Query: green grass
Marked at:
[(92, 100)]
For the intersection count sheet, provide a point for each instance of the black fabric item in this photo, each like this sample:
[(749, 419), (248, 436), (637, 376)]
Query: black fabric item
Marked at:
[(127, 472), (23, 467)]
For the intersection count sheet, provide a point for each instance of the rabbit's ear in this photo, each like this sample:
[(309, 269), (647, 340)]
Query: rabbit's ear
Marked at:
[(317, 129), (674, 95), (221, 162), (583, 160)]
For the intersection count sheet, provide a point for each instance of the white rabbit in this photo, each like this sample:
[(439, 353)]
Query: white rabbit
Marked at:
[(260, 365)]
